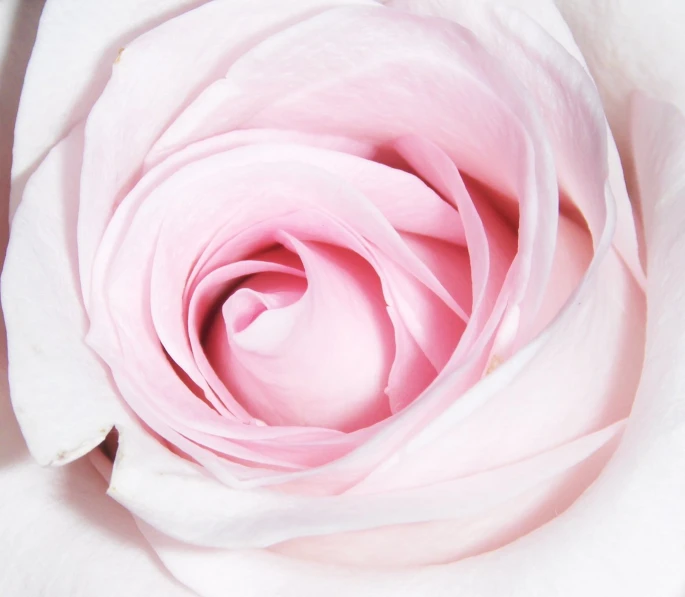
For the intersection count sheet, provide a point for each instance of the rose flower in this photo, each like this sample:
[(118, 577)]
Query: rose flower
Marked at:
[(345, 297)]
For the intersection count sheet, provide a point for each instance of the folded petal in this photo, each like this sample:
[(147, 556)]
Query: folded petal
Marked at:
[(630, 46), (305, 86), (135, 107), (321, 358), (582, 378), (623, 536), (533, 40), (74, 49), (64, 537), (175, 496), (62, 394)]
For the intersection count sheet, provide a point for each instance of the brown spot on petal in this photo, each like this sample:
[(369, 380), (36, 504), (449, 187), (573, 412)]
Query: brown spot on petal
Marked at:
[(495, 362), (118, 58)]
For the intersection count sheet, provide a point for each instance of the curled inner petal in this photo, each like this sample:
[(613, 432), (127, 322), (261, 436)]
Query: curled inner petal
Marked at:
[(311, 353)]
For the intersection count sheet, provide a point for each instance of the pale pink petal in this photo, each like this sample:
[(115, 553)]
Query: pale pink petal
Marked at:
[(136, 107), (567, 103), (552, 70), (575, 121), (544, 12), (411, 371), (117, 319), (446, 541), (583, 378), (321, 358), (403, 199), (572, 256), (443, 86), (203, 300), (294, 84), (100, 549), (630, 46), (491, 245), (187, 505), (450, 264), (636, 506)]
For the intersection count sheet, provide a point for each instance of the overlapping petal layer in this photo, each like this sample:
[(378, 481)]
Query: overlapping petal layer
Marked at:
[(371, 291)]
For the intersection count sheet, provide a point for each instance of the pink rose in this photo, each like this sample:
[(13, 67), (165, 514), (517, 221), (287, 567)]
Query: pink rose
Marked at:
[(343, 297)]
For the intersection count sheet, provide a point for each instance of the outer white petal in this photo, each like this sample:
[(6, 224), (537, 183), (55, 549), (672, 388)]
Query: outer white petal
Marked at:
[(628, 45), (60, 535), (71, 62), (61, 392), (18, 22)]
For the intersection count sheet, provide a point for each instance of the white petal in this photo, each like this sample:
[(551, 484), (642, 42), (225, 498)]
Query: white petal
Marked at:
[(630, 45), (75, 48), (62, 535), (61, 392)]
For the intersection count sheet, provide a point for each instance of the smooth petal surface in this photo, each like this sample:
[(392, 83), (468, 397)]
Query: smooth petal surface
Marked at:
[(136, 107), (75, 48), (630, 46), (61, 535), (478, 114), (623, 536), (321, 359), (177, 498), (61, 392), (283, 195), (533, 40), (555, 398)]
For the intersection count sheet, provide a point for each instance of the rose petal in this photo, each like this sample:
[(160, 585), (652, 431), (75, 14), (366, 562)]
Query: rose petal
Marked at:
[(630, 46), (309, 90), (636, 506), (175, 406), (61, 392), (201, 511), (322, 360), (135, 107), (446, 541), (407, 203), (86, 543), (491, 246), (42, 508), (204, 299), (567, 97), (583, 378), (75, 46)]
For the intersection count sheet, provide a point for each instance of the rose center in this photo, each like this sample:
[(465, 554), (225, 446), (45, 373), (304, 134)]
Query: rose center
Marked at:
[(309, 347)]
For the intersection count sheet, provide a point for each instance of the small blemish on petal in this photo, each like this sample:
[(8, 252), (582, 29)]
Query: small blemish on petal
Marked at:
[(118, 58), (495, 362)]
